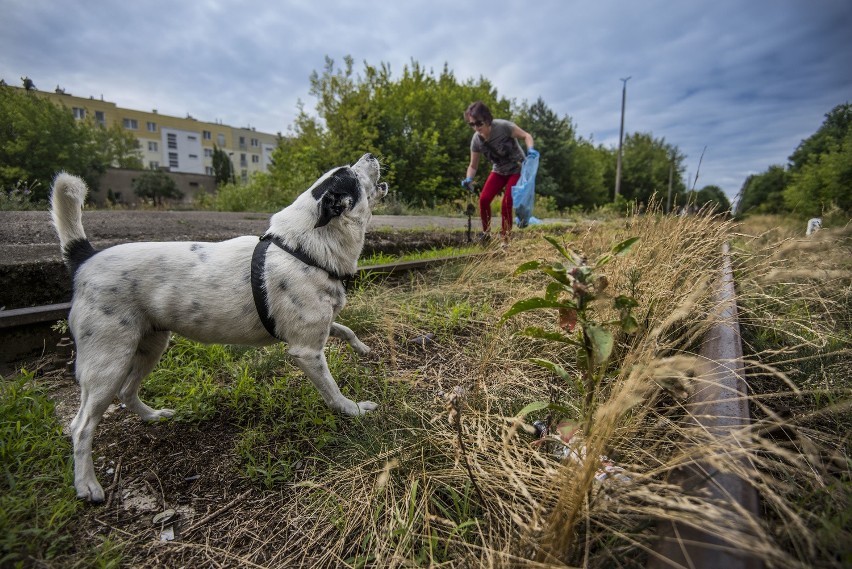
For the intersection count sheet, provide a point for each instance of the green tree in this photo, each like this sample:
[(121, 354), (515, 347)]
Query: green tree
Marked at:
[(116, 146), (646, 165), (824, 183), (572, 170), (713, 197), (156, 185), (223, 168), (343, 102), (38, 139), (422, 133), (414, 124), (764, 193), (827, 139)]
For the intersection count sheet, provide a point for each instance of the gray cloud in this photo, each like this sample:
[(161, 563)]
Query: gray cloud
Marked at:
[(748, 80)]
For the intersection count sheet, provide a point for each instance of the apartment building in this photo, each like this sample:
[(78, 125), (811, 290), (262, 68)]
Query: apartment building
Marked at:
[(183, 145)]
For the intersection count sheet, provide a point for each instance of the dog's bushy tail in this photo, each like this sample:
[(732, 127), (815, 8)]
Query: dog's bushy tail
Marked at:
[(66, 209)]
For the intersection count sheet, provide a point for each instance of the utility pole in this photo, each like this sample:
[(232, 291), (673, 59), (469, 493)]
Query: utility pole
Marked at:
[(620, 138)]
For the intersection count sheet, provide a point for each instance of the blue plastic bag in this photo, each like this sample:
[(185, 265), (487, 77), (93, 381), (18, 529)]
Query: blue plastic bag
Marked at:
[(523, 193)]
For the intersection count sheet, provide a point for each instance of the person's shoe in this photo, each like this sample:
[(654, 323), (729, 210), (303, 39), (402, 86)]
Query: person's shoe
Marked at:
[(504, 244), (484, 238)]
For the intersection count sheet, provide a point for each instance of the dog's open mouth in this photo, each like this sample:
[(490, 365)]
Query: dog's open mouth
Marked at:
[(369, 166)]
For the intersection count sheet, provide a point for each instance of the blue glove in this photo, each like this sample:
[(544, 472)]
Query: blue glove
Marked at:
[(532, 152), (466, 183)]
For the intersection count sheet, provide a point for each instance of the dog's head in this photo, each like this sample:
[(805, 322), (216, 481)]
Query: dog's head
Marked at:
[(350, 191)]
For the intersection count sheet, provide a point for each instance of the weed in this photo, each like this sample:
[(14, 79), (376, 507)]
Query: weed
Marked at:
[(572, 293)]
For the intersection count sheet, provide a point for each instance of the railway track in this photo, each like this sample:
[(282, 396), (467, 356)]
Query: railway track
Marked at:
[(718, 408)]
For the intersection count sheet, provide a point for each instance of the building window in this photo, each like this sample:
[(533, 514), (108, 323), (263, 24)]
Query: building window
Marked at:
[(242, 143), (152, 126), (255, 142), (194, 156), (153, 165), (171, 140), (79, 113), (209, 171), (100, 117), (221, 139), (206, 135), (131, 124), (153, 146), (243, 162), (173, 160), (208, 153), (192, 137), (255, 159)]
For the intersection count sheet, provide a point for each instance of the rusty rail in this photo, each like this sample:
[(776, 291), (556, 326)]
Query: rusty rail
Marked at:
[(719, 408)]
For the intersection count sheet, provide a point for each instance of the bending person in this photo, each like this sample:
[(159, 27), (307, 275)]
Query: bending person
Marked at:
[(497, 139)]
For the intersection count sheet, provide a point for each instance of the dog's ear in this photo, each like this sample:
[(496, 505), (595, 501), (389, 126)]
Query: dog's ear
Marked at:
[(337, 193)]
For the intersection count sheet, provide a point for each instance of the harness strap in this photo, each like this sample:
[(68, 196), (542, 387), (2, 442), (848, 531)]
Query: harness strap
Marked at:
[(304, 257), (258, 267), (258, 291)]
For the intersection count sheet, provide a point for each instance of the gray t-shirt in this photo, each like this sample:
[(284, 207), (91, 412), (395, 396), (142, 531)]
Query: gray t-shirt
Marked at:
[(501, 148)]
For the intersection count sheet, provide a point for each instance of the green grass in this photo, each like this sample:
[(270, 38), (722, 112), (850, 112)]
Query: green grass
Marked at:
[(280, 415), (435, 253), (37, 500)]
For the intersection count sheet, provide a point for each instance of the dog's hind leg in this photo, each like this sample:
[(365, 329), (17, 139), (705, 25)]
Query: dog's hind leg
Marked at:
[(148, 352), (344, 333), (99, 382)]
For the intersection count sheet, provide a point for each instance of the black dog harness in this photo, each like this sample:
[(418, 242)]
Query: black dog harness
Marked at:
[(258, 266)]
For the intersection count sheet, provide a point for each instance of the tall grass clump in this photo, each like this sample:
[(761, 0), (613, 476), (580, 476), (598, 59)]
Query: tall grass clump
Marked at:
[(797, 335)]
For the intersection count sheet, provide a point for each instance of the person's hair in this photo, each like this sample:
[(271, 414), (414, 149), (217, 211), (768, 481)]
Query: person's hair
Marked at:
[(479, 112)]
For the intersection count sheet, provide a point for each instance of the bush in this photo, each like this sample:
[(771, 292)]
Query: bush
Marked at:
[(20, 198)]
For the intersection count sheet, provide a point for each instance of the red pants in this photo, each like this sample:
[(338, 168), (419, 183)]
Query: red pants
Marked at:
[(493, 186)]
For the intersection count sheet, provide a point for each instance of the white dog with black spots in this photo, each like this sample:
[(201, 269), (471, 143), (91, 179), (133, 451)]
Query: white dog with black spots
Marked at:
[(128, 299)]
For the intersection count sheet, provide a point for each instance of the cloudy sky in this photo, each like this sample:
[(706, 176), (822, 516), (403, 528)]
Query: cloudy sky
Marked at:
[(747, 79)]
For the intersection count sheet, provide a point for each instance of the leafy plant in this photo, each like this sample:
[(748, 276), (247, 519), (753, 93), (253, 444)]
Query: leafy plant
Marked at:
[(576, 286)]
